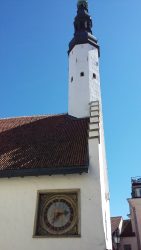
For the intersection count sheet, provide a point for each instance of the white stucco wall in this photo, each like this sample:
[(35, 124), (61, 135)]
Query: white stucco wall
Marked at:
[(17, 211), (83, 90), (104, 204)]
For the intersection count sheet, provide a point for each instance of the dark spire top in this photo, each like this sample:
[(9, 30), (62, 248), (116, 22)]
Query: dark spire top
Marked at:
[(82, 27), (83, 21), (83, 3)]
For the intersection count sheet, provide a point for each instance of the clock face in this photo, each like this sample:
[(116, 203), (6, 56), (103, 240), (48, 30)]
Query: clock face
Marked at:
[(59, 214)]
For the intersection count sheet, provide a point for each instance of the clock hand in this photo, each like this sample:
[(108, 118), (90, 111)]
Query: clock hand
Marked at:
[(58, 214)]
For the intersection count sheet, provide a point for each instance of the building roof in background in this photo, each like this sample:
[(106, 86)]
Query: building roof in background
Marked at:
[(127, 229), (39, 145), (115, 221)]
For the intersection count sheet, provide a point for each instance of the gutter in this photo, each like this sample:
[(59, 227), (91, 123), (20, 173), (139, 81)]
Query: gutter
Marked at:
[(43, 171)]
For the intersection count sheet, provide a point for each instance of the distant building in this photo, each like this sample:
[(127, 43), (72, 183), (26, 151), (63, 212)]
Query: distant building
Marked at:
[(62, 200), (126, 234), (116, 228)]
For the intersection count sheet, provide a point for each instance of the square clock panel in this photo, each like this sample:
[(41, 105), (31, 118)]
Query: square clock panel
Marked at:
[(57, 214)]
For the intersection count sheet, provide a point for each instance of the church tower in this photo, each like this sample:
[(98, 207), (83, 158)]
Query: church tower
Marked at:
[(84, 52), (85, 101)]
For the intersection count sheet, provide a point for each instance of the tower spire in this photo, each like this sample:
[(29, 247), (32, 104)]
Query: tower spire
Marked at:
[(83, 27), (83, 21)]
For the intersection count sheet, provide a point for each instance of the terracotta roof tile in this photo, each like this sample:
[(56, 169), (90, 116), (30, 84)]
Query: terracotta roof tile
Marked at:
[(42, 142), (115, 221)]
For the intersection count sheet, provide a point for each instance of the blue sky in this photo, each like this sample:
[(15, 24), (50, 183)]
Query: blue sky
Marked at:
[(34, 37)]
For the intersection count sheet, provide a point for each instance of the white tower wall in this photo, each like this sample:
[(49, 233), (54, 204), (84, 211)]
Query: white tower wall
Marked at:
[(83, 89)]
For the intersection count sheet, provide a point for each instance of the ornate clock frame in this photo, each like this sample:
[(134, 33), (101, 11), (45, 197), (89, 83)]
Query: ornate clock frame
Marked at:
[(57, 213)]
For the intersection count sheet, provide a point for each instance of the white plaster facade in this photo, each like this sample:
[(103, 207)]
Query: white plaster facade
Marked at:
[(83, 89)]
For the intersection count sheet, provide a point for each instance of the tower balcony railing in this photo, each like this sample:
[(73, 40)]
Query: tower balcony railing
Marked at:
[(136, 180)]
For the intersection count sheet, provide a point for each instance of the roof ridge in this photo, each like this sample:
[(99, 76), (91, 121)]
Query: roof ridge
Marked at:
[(30, 116), (116, 217)]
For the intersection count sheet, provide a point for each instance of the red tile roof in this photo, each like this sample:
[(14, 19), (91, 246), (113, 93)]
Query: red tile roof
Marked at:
[(115, 221), (43, 145), (127, 229)]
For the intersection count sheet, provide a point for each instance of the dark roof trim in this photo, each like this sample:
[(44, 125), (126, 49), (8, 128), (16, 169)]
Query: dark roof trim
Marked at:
[(128, 236), (84, 39), (43, 171)]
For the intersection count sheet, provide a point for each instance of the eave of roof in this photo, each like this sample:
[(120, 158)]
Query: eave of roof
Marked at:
[(43, 171)]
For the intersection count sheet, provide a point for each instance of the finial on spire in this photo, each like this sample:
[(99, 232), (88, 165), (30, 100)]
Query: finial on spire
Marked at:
[(82, 3)]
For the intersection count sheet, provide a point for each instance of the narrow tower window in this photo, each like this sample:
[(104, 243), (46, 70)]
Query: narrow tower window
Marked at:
[(82, 74), (72, 79), (94, 76)]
